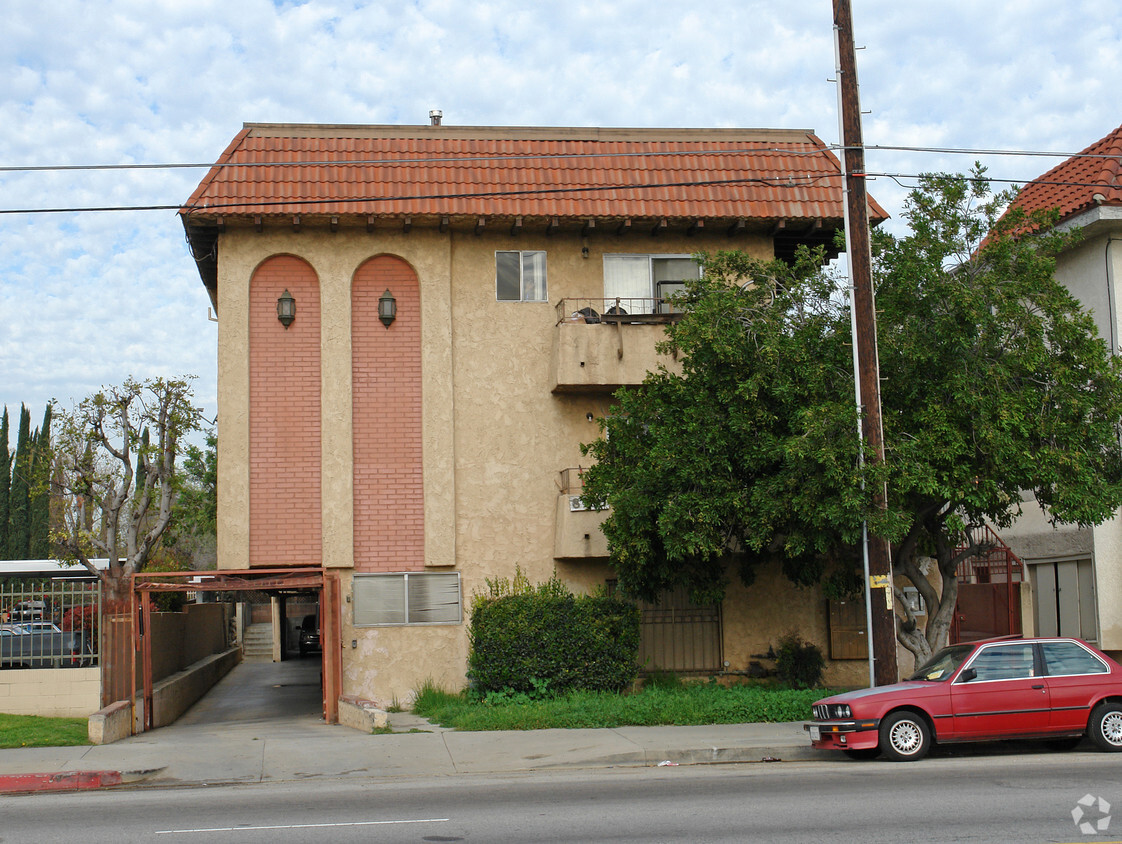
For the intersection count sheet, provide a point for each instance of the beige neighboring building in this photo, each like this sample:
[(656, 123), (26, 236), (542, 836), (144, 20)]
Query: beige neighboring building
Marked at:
[(465, 300), (1075, 574)]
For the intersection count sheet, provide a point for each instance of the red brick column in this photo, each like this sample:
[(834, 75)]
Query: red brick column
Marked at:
[(285, 525), (386, 377)]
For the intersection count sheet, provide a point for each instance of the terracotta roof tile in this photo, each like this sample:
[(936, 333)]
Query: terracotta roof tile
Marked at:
[(272, 170), (1071, 186)]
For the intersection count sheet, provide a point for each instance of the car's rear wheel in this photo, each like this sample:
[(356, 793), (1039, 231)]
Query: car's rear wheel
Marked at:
[(862, 753), (1105, 726), (904, 737)]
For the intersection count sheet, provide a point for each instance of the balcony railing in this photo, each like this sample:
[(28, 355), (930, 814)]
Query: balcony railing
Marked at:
[(618, 311)]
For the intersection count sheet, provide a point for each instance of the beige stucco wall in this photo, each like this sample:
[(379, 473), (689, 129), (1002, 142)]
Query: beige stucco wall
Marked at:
[(53, 692), (757, 616), (1108, 582), (495, 434), (602, 356), (1092, 271)]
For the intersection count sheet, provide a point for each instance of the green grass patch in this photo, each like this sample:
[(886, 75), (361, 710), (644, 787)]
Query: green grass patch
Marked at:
[(37, 731), (679, 705)]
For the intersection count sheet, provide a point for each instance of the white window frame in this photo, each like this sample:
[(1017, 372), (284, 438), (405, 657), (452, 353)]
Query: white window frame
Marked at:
[(375, 603), (531, 287)]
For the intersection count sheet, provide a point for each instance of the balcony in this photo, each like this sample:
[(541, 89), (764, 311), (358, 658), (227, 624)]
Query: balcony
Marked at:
[(603, 344), (577, 534)]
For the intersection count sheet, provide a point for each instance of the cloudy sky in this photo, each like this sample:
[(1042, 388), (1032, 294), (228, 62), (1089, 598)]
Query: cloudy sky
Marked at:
[(89, 298)]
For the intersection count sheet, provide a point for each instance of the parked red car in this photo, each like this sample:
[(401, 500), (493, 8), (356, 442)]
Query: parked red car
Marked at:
[(1010, 688)]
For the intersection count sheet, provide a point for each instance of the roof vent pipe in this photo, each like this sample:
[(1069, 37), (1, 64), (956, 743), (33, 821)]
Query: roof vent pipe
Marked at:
[(434, 116)]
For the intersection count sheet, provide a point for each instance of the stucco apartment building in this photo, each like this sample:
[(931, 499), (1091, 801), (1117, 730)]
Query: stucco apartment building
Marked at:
[(419, 326), (1075, 573)]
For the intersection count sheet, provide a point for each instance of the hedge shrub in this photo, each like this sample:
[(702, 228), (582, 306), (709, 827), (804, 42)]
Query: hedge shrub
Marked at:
[(544, 640)]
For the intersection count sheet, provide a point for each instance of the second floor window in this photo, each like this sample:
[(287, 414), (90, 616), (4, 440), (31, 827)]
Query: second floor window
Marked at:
[(647, 277), (520, 277)]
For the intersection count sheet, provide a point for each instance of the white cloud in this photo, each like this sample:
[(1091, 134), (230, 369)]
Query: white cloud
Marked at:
[(88, 299)]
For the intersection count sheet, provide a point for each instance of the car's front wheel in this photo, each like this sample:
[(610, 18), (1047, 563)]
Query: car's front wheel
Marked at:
[(904, 737), (1105, 726)]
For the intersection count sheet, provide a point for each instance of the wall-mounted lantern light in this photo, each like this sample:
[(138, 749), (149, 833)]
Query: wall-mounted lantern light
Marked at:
[(286, 309), (387, 308)]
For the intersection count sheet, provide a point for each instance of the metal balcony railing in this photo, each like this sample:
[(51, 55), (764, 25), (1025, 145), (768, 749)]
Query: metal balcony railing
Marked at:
[(617, 311)]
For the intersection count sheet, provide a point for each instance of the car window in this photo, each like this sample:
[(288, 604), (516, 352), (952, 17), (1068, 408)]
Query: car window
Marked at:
[(1065, 658), (1004, 662), (943, 664)]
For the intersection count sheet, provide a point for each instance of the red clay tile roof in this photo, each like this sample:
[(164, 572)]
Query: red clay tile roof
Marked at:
[(435, 171), (1071, 186)]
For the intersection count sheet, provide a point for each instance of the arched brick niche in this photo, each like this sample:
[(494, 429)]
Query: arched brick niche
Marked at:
[(285, 523), (386, 379)]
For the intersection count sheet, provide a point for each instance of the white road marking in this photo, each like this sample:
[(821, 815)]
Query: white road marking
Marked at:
[(295, 826)]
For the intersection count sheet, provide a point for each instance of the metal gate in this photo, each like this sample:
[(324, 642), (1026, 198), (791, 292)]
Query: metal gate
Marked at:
[(680, 636), (989, 590)]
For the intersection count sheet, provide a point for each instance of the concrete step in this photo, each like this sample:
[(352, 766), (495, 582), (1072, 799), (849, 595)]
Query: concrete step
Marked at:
[(257, 643)]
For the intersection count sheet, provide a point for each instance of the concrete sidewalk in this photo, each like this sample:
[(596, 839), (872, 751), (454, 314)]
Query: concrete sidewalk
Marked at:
[(262, 724)]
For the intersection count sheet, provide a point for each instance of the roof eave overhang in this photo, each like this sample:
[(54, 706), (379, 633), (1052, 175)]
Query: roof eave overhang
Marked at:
[(1094, 221)]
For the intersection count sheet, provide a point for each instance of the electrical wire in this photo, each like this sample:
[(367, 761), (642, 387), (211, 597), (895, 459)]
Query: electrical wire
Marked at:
[(776, 182), (444, 159), (789, 181)]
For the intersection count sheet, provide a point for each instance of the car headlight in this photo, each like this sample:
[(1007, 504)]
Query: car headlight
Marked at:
[(840, 710)]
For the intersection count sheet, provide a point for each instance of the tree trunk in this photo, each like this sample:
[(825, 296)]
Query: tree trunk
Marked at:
[(116, 584)]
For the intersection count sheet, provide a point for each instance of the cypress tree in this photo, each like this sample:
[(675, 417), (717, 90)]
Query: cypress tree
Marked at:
[(5, 482), (19, 525), (39, 545)]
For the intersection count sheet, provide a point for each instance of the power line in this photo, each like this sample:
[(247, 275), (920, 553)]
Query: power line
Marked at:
[(422, 160), (779, 182), (431, 160), (791, 180), (964, 151)]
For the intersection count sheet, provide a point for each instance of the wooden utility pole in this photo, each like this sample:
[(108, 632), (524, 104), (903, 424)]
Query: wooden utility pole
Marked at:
[(878, 594)]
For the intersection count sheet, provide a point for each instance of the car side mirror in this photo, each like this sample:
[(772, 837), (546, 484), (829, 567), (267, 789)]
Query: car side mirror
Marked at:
[(967, 675)]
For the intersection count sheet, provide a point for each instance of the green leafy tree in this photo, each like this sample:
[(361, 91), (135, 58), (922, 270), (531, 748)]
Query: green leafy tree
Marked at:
[(994, 382), (115, 475), (19, 498), (194, 524), (39, 503), (5, 481), (197, 504), (749, 455)]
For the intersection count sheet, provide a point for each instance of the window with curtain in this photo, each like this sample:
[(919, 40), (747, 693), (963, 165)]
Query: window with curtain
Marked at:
[(520, 277), (642, 279)]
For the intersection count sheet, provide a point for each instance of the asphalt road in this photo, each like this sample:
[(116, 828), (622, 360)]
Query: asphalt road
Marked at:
[(1027, 797)]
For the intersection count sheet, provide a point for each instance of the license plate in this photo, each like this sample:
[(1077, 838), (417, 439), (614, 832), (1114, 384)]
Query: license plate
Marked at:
[(815, 734)]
